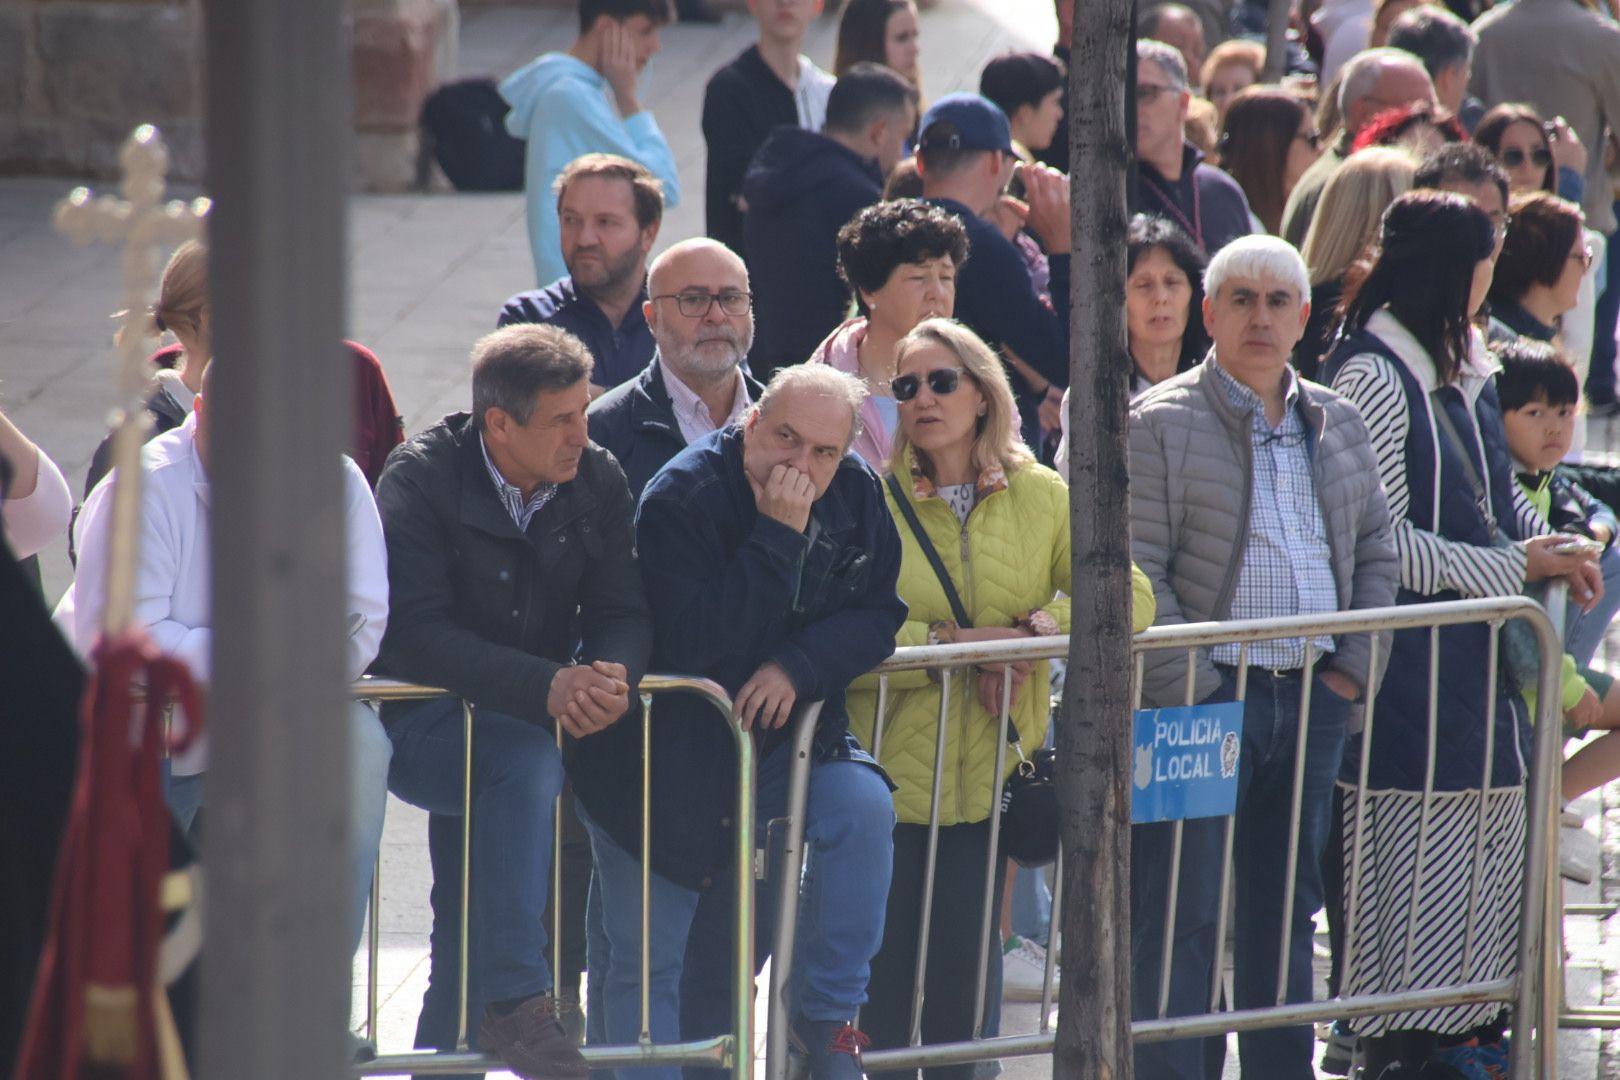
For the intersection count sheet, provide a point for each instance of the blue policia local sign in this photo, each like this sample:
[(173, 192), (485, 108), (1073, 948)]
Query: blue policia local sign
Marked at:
[(1185, 763)]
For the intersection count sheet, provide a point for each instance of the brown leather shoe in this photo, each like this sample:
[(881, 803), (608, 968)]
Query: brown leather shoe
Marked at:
[(532, 1042)]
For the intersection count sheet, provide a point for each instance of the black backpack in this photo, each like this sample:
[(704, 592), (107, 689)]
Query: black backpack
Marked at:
[(464, 129)]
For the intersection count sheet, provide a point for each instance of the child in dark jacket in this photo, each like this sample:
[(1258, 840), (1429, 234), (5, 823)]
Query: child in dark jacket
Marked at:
[(1540, 392)]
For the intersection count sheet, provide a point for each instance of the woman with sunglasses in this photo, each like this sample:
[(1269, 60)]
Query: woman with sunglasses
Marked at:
[(1411, 361), (900, 259), (1537, 156), (1545, 256), (1000, 525)]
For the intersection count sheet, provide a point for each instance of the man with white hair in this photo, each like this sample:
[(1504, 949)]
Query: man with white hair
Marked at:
[(1374, 81), (1308, 533), (770, 563)]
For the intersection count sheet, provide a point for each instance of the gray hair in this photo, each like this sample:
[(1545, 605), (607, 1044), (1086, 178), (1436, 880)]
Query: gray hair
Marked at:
[(821, 380), (515, 363), (1167, 57), (1436, 37), (1362, 72), (1259, 258)]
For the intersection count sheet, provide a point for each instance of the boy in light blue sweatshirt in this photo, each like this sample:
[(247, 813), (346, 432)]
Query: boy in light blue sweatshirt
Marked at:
[(583, 101)]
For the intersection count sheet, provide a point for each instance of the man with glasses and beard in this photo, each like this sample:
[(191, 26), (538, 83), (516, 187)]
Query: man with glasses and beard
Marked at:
[(700, 314), (610, 209)]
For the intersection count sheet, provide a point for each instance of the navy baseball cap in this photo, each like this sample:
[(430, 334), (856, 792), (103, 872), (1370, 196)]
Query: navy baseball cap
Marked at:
[(964, 121)]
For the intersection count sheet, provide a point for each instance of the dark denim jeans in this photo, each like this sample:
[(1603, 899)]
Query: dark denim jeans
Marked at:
[(1260, 853), (849, 839), (517, 774)]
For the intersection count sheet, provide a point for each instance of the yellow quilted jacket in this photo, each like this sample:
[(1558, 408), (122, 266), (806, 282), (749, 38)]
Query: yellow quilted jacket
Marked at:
[(1012, 557)]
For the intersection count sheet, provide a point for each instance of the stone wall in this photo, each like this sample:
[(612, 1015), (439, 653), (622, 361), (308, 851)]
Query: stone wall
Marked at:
[(77, 75)]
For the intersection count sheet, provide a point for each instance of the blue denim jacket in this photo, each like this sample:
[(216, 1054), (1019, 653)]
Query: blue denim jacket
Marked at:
[(729, 590)]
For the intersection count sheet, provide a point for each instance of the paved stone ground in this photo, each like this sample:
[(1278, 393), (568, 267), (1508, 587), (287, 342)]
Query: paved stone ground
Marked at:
[(428, 274)]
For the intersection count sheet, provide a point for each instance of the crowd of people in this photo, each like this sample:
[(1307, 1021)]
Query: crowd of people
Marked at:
[(1367, 306)]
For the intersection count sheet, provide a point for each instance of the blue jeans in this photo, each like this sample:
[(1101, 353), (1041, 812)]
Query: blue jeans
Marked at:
[(517, 774), (1584, 630), (849, 826), (1265, 797), (369, 753)]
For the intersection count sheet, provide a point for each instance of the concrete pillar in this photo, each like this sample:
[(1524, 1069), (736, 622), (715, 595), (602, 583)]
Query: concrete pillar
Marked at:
[(403, 49), (76, 76)]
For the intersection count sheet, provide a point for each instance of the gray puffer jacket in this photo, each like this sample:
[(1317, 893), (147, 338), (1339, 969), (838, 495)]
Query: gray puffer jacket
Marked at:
[(1191, 476)]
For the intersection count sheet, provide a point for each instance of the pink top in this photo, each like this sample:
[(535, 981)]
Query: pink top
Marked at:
[(842, 350)]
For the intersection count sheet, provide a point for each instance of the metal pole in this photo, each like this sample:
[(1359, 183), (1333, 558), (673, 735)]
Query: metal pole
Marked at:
[(277, 973), (791, 870), (925, 922)]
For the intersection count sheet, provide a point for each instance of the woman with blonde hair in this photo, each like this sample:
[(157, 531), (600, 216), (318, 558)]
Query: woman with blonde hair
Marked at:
[(999, 523), (1230, 67), (1345, 226), (182, 310)]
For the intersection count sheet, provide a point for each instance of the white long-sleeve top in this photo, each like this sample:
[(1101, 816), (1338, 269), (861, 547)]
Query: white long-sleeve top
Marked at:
[(172, 588), (1429, 562), (42, 515)]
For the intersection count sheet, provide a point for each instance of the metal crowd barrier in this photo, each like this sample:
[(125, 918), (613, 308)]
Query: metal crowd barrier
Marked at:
[(1535, 1012), (732, 1051)]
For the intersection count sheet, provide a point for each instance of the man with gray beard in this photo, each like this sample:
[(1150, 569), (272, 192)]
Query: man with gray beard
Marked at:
[(701, 316)]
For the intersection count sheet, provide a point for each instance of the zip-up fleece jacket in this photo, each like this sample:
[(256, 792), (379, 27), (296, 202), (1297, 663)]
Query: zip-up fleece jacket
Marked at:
[(1011, 557), (1192, 477)]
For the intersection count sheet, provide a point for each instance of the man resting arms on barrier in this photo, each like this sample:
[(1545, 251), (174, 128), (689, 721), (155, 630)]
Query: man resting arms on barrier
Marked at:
[(1308, 533), (770, 565), (509, 547)]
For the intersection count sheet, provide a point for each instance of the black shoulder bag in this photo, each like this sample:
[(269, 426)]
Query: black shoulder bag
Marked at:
[(1029, 807)]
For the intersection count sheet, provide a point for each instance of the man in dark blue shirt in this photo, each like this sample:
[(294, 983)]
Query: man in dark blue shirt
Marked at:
[(964, 153), (610, 209)]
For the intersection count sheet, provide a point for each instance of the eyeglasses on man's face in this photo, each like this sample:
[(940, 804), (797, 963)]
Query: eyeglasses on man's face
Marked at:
[(695, 303), (1148, 93)]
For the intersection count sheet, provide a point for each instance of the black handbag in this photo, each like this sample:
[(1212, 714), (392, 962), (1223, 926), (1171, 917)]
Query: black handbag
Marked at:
[(1029, 804)]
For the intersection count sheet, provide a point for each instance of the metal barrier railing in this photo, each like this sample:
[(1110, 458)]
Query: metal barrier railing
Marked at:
[(1535, 1012), (732, 1051)]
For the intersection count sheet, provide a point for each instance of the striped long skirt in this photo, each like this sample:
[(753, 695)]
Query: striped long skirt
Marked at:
[(1432, 902)]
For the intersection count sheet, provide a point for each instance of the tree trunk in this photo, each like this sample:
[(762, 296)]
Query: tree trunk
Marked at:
[(1276, 40), (1094, 742)]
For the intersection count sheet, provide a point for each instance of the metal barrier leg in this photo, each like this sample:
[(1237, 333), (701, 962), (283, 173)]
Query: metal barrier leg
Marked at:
[(1286, 935), (466, 871), (1536, 1004), (373, 949), (929, 863), (790, 871), (992, 861)]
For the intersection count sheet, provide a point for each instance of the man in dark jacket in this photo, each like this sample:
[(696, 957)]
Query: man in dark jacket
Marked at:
[(1173, 179), (768, 85), (964, 153), (513, 585), (770, 563), (695, 383), (800, 190), (610, 209)]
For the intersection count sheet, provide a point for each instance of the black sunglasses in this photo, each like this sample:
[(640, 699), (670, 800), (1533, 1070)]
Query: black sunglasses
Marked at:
[(941, 381), (1515, 157)]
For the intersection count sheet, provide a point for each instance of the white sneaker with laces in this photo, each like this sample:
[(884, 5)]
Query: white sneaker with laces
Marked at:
[(1023, 970)]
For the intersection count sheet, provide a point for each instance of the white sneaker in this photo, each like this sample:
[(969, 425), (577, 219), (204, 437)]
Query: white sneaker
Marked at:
[(1023, 970)]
